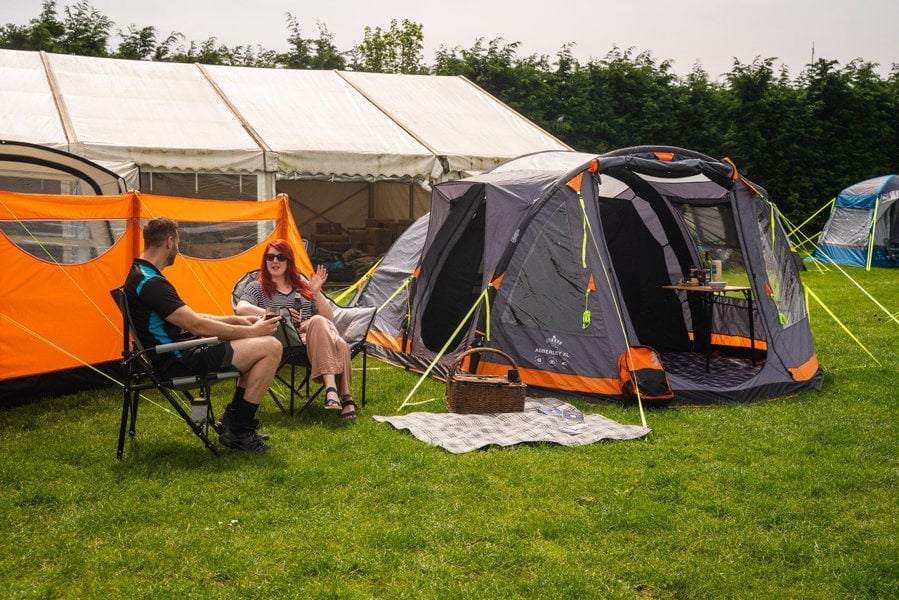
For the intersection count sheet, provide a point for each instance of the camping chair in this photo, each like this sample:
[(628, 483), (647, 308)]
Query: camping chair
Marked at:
[(352, 324), (139, 374)]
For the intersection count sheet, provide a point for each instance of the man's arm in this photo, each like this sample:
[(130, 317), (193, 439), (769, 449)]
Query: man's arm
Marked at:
[(225, 328), (231, 319)]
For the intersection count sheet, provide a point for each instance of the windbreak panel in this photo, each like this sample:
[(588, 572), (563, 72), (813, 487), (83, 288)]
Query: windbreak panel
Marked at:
[(69, 242)]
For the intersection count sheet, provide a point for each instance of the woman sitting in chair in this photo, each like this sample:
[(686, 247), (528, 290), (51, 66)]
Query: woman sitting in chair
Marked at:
[(280, 285)]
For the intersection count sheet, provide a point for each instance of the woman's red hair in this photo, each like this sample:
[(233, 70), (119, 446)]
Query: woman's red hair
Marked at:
[(292, 274)]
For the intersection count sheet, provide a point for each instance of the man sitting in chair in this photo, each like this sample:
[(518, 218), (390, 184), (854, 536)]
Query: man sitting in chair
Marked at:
[(160, 316)]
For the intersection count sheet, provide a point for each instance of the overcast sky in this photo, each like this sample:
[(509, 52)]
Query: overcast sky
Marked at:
[(710, 32)]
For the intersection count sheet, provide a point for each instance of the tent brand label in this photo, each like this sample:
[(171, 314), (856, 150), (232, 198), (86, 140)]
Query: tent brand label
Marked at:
[(551, 352), (553, 356), (891, 195)]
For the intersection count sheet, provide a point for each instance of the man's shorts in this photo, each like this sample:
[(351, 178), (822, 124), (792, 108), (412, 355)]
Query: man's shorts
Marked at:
[(205, 359)]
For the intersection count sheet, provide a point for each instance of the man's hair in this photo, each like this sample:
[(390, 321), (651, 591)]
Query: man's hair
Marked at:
[(157, 230)]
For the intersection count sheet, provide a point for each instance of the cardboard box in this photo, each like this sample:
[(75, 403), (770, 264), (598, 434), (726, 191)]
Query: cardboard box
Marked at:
[(327, 227), (331, 242), (379, 223), (358, 237)]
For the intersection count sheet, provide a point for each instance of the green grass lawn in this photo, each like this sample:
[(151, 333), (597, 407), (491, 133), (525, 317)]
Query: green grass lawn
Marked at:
[(788, 498)]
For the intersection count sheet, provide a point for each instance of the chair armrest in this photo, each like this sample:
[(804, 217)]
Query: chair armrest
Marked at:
[(174, 346)]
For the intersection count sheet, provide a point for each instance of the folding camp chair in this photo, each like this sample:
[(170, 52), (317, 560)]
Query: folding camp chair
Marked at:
[(352, 324), (140, 374)]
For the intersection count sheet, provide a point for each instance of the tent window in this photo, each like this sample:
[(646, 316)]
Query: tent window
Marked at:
[(36, 185), (714, 230), (64, 242), (786, 290), (219, 186), (549, 290), (848, 227)]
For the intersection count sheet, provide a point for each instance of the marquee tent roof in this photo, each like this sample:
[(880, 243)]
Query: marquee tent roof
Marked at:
[(299, 124)]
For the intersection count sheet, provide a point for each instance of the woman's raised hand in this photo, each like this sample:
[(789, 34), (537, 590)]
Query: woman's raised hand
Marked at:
[(318, 279)]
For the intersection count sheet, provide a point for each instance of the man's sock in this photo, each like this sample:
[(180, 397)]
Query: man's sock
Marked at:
[(244, 419), (237, 399)]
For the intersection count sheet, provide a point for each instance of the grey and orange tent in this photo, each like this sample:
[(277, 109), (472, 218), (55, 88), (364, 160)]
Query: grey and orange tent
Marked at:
[(560, 259)]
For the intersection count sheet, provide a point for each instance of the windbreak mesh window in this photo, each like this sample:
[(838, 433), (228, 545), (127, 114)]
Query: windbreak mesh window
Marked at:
[(786, 289), (549, 290), (714, 231), (64, 242), (220, 239)]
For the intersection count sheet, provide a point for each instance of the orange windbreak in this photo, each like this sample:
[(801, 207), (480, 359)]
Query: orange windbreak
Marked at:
[(60, 316)]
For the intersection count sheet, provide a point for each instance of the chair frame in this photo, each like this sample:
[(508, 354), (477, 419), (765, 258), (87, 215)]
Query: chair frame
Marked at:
[(140, 374), (296, 357)]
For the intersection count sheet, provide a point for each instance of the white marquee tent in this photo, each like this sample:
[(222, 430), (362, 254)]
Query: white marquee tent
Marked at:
[(345, 146)]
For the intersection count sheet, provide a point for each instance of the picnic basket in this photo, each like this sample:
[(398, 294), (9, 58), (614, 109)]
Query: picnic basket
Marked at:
[(479, 394)]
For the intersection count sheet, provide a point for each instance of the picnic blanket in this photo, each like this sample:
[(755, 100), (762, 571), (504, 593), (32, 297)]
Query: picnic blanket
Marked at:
[(463, 433)]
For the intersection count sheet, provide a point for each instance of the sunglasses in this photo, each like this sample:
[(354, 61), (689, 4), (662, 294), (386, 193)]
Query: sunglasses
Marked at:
[(277, 257)]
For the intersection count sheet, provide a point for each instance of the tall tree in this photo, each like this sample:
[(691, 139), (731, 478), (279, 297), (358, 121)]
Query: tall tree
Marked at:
[(42, 33), (397, 50), (137, 44), (319, 53), (86, 31)]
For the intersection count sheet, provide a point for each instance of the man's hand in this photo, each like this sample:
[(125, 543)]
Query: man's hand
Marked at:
[(264, 326), (245, 319)]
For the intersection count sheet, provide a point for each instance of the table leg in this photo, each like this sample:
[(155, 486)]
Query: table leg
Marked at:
[(709, 301)]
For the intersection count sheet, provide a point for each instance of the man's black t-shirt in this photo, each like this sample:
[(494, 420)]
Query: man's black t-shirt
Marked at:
[(152, 298)]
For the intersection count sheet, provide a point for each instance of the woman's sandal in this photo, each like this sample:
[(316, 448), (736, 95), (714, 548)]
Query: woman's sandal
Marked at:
[(332, 403), (350, 414)]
